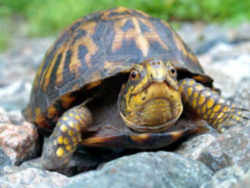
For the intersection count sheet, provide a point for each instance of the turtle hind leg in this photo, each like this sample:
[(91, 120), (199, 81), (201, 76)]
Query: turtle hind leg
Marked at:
[(210, 106), (60, 146)]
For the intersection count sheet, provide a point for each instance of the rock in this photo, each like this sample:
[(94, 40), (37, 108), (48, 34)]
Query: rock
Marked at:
[(4, 118), (193, 147), (16, 117), (33, 178), (242, 94), (160, 169), (240, 33), (204, 36), (4, 161), (228, 178), (19, 142), (15, 96), (227, 65), (244, 181), (230, 148)]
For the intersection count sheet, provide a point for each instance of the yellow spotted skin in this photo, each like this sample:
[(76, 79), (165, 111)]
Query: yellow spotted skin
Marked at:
[(208, 104), (65, 138)]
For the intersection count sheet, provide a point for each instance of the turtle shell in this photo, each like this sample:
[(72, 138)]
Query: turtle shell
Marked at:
[(97, 47)]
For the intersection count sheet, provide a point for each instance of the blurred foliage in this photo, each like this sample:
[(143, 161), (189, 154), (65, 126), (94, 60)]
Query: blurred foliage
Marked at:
[(48, 16)]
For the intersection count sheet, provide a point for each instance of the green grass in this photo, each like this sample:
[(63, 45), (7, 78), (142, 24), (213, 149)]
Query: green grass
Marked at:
[(48, 16), (4, 42)]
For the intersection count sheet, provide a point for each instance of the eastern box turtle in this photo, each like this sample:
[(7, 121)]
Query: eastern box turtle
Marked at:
[(121, 79)]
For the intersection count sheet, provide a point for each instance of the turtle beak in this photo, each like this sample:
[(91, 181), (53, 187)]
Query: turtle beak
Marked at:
[(158, 72)]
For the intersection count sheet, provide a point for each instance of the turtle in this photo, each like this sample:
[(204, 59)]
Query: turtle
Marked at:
[(120, 78)]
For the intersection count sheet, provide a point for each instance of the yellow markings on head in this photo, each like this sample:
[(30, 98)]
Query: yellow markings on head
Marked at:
[(189, 91), (201, 99), (217, 108), (60, 139), (69, 148), (70, 132), (63, 128), (59, 152), (210, 103), (66, 141)]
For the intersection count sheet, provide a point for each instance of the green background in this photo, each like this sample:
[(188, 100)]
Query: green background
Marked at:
[(46, 17)]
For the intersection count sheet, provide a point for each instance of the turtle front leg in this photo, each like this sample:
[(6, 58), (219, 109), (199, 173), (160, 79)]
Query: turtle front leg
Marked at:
[(63, 142), (210, 106)]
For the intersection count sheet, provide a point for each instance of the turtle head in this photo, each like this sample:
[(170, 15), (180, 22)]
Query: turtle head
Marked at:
[(150, 101)]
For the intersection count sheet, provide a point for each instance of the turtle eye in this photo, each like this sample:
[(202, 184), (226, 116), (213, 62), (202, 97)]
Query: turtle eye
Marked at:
[(173, 72), (134, 75)]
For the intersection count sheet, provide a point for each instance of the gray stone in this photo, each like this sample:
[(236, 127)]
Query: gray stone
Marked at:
[(193, 147), (244, 182), (4, 161), (15, 96), (228, 178), (242, 94), (19, 142), (16, 117), (4, 118), (227, 65), (160, 169), (204, 36), (230, 148), (33, 178)]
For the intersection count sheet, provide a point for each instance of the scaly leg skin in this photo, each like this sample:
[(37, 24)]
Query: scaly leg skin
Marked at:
[(210, 106), (61, 145)]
